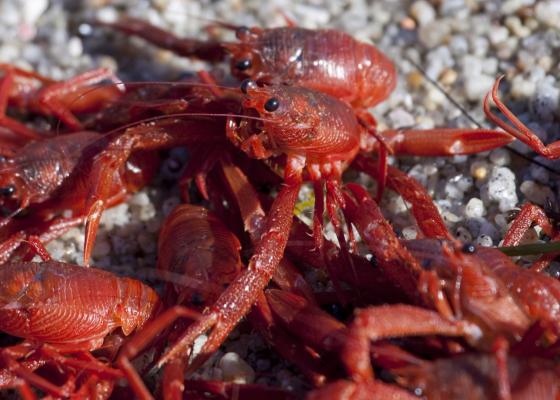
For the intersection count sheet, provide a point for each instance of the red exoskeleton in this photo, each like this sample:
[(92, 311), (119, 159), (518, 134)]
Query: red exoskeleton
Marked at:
[(31, 92), (65, 309), (357, 73)]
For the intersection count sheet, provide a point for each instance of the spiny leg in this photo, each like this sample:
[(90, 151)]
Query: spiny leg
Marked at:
[(206, 50), (397, 264), (531, 214), (166, 133), (425, 212), (7, 82), (236, 301), (517, 128), (376, 323), (143, 338), (59, 98)]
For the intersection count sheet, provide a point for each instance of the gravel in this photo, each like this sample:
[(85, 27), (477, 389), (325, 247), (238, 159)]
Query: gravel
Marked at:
[(462, 44)]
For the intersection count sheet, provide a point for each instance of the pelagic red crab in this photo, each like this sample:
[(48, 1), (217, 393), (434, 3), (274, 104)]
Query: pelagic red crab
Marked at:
[(294, 121)]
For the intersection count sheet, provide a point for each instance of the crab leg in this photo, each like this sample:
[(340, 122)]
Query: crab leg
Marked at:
[(236, 300), (164, 134), (422, 207), (517, 128), (444, 141), (206, 50)]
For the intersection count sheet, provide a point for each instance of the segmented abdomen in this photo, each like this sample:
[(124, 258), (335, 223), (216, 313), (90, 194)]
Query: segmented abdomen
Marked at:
[(63, 303), (202, 253)]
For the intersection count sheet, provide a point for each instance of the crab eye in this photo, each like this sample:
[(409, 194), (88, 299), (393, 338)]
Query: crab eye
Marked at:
[(8, 190), (468, 248), (243, 65), (247, 84), (242, 32), (272, 104)]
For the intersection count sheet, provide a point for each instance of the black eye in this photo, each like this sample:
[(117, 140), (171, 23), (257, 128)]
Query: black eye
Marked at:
[(247, 84), (243, 65), (7, 191), (272, 104), (468, 248), (241, 32)]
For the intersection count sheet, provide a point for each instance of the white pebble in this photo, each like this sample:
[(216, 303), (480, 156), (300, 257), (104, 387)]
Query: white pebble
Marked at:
[(409, 233), (484, 241), (434, 33), (475, 208), (498, 34), (521, 87), (116, 216), (516, 27), (400, 118), (476, 87), (108, 14), (235, 369), (422, 12), (548, 12), (32, 10), (511, 6), (501, 188), (74, 46), (500, 157)]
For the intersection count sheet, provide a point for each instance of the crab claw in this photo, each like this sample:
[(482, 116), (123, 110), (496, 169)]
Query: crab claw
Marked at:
[(444, 141)]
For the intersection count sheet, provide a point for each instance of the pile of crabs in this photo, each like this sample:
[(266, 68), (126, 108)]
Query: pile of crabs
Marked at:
[(430, 317)]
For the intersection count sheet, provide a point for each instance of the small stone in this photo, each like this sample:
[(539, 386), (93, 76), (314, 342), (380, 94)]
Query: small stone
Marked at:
[(479, 170), (448, 76), (498, 34), (535, 193), (235, 369), (516, 27), (521, 87), (512, 6), (544, 103), (108, 14), (408, 24), (74, 47), (539, 173), (475, 208), (476, 87), (116, 216), (548, 13), (450, 217), (400, 118), (488, 229), (423, 12), (409, 233), (415, 80), (484, 241), (437, 61), (463, 234), (32, 10), (434, 33), (500, 157), (501, 188)]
